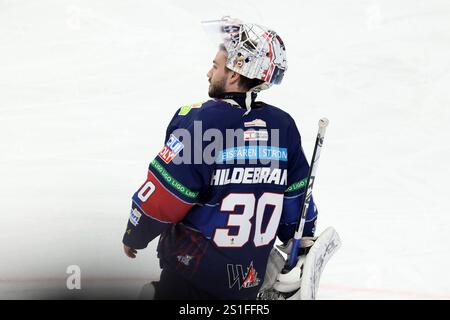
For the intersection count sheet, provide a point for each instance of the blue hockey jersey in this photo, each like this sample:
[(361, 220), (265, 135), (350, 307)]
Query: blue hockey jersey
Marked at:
[(227, 182)]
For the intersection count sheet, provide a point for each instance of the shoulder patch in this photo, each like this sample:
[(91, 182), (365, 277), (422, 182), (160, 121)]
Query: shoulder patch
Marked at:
[(255, 123), (135, 216), (186, 109)]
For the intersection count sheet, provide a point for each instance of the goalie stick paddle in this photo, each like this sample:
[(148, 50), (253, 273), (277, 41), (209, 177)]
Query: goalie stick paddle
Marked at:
[(296, 243)]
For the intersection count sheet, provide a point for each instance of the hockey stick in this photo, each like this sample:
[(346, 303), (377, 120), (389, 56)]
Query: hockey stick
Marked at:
[(296, 243)]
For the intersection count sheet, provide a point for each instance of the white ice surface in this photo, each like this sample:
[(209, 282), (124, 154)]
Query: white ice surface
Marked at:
[(88, 87)]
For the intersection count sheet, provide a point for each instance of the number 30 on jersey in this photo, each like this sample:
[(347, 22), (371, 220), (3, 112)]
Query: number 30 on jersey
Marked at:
[(222, 236)]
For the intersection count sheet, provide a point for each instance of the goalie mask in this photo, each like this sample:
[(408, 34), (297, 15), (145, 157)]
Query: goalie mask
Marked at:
[(253, 50)]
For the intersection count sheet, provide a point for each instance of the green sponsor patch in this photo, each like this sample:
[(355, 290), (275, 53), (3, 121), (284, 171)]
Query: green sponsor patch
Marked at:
[(172, 181), (297, 185), (186, 109)]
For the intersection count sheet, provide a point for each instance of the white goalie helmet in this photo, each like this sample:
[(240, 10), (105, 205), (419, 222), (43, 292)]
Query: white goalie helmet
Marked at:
[(254, 51)]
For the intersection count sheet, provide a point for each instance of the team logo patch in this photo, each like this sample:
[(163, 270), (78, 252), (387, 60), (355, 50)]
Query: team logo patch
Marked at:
[(255, 123), (253, 135), (237, 277), (135, 216), (171, 149), (186, 259)]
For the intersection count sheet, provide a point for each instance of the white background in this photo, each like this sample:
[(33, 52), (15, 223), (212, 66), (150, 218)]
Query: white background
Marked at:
[(87, 89)]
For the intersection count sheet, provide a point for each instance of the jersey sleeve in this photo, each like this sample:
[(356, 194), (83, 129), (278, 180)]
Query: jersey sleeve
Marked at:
[(298, 169), (173, 186)]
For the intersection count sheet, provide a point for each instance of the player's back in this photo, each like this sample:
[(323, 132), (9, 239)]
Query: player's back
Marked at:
[(222, 244)]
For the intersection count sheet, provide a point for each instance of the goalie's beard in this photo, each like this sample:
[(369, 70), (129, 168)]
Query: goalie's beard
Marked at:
[(217, 88)]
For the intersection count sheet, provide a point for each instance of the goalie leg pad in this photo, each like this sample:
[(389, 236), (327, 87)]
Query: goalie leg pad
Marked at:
[(147, 292), (274, 266), (301, 282), (323, 249)]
